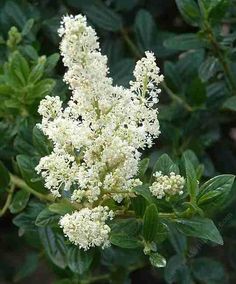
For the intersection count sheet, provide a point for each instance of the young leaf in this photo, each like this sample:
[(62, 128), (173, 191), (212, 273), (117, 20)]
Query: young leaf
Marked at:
[(125, 241), (199, 227), (157, 260), (19, 201), (192, 182), (150, 223), (215, 190)]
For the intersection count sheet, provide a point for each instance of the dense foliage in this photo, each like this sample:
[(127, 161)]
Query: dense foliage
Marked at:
[(173, 239)]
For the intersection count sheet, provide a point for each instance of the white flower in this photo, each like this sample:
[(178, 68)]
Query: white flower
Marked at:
[(99, 135), (167, 185), (87, 228)]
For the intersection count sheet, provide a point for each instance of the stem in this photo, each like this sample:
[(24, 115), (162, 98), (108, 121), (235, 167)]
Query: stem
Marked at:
[(221, 56), (130, 44), (18, 182), (8, 201), (176, 98), (96, 278)]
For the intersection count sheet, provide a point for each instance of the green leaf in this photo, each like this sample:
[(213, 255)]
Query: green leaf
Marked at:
[(174, 266), (184, 42), (178, 240), (190, 11), (215, 190), (207, 270), (54, 246), (144, 191), (28, 267), (196, 92), (208, 68), (150, 223), (142, 167), (26, 220), (202, 228), (139, 205), (4, 176), (37, 72), (230, 103), (165, 165), (19, 201), (192, 182), (144, 27), (157, 260), (79, 261), (41, 142), (46, 217), (129, 227), (103, 17), (61, 208), (121, 71), (51, 62), (27, 165), (125, 241), (27, 27)]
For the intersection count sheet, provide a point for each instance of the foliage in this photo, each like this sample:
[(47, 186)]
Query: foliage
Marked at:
[(197, 114)]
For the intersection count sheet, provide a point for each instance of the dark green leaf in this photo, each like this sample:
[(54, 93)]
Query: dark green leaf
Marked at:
[(165, 165), (150, 223), (103, 17), (46, 217), (19, 201), (144, 28), (79, 261), (199, 227), (124, 241), (54, 246), (28, 267), (184, 42), (230, 103), (190, 11), (207, 270)]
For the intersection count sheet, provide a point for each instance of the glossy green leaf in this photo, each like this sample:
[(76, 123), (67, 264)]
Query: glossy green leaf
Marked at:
[(215, 190), (61, 208), (157, 260)]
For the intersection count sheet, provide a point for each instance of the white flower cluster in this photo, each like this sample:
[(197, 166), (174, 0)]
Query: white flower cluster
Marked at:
[(167, 185), (98, 136), (86, 228)]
